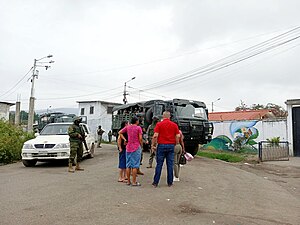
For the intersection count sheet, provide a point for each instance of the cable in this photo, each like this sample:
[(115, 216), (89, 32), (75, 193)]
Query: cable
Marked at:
[(219, 64), (17, 83)]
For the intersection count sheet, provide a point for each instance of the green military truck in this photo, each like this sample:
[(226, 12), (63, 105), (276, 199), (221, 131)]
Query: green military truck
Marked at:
[(191, 117)]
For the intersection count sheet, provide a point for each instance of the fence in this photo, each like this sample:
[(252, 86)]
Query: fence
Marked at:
[(273, 151)]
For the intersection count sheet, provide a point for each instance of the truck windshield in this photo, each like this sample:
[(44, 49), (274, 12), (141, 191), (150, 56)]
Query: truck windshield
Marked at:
[(189, 111), (57, 129)]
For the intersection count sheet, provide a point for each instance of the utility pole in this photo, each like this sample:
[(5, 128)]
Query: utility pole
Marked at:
[(125, 92), (17, 114), (32, 98)]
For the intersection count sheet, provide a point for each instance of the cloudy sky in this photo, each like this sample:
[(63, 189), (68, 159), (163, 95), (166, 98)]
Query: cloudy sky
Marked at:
[(99, 45)]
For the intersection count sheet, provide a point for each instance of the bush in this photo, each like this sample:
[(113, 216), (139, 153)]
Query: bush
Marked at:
[(11, 141), (228, 157)]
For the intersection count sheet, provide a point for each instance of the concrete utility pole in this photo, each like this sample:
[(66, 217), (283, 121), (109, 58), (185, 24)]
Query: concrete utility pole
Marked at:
[(32, 98), (125, 92), (17, 115)]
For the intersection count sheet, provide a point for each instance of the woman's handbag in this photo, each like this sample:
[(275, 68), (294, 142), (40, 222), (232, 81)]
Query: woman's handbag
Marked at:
[(182, 159)]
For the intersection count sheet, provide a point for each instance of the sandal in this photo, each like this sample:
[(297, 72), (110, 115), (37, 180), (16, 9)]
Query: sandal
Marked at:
[(137, 184), (128, 183), (122, 181)]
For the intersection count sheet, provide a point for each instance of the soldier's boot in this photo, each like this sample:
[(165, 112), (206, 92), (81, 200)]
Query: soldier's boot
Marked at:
[(78, 168), (71, 170), (139, 172)]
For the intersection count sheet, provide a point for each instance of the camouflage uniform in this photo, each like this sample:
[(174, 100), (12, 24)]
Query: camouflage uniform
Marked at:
[(150, 133), (76, 146)]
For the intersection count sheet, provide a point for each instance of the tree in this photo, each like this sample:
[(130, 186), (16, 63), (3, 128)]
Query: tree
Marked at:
[(277, 110)]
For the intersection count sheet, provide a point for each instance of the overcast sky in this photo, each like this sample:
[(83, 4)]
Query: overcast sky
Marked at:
[(99, 45)]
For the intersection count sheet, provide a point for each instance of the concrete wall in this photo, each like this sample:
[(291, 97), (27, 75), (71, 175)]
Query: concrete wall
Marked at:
[(4, 111), (252, 132)]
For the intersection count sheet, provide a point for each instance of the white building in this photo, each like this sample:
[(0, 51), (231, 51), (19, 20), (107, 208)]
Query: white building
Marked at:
[(97, 113), (4, 110), (293, 125)]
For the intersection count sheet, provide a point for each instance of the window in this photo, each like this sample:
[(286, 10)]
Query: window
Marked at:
[(109, 109), (82, 111), (91, 109)]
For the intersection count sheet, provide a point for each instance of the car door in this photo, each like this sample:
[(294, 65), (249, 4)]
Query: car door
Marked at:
[(89, 138)]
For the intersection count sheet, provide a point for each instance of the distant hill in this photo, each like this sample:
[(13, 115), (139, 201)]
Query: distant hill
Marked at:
[(63, 110)]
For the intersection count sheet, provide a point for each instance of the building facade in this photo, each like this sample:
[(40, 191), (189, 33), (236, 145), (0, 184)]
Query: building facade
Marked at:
[(293, 121), (97, 113), (4, 110)]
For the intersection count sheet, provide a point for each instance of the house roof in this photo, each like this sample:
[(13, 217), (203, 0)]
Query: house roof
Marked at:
[(103, 102), (7, 103), (241, 115)]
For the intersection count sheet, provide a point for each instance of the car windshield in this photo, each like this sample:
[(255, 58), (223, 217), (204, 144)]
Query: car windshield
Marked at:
[(55, 129), (189, 111)]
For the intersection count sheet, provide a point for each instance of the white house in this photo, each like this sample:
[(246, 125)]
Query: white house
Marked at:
[(4, 110), (97, 113), (293, 125)]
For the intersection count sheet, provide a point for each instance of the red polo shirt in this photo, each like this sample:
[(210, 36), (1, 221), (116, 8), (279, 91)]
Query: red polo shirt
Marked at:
[(167, 131)]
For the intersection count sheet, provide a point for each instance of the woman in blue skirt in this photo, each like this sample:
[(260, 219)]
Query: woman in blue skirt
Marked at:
[(122, 154)]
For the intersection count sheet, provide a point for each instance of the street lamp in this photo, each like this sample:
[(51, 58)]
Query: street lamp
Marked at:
[(212, 104), (36, 63), (125, 92)]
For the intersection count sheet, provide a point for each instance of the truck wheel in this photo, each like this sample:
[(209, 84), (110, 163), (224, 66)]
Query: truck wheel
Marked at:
[(193, 149), (29, 163)]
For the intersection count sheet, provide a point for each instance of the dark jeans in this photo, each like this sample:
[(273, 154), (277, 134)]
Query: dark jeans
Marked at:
[(164, 151)]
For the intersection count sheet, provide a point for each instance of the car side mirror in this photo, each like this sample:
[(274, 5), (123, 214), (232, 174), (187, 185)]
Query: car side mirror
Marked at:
[(36, 134)]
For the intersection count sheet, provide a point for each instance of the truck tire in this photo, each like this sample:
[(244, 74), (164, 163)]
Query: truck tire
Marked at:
[(29, 163), (193, 149)]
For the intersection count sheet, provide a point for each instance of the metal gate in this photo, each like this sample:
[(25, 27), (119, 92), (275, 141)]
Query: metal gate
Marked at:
[(273, 151)]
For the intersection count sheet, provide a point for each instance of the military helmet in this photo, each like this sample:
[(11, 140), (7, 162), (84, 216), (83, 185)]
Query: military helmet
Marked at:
[(77, 118)]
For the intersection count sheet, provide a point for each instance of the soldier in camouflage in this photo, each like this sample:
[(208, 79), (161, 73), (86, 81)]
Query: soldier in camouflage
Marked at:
[(76, 147), (150, 133)]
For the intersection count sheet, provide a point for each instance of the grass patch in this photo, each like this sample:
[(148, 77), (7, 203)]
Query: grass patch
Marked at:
[(228, 157)]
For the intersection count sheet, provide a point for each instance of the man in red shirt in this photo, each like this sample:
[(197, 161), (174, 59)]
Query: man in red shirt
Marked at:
[(166, 136)]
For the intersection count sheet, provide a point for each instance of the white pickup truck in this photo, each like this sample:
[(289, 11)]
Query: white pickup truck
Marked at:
[(53, 143)]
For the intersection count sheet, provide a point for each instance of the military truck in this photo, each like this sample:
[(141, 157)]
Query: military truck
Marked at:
[(191, 117), (55, 117)]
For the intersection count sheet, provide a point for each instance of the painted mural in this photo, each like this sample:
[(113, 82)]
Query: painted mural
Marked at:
[(243, 135)]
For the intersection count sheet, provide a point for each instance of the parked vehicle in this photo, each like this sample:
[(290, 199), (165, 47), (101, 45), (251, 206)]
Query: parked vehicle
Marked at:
[(53, 143), (191, 117)]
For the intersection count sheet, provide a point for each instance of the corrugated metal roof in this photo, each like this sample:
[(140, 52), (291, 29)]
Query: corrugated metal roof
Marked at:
[(241, 115)]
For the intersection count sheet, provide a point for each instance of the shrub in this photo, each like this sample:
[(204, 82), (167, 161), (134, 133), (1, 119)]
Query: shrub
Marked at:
[(11, 141), (274, 141)]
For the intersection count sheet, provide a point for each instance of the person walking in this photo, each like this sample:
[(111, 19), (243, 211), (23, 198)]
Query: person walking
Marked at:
[(150, 133), (179, 149), (100, 133), (76, 147), (109, 136), (122, 154), (166, 136), (133, 149)]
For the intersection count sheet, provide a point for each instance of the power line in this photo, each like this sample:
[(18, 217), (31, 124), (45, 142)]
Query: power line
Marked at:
[(229, 60), (16, 84)]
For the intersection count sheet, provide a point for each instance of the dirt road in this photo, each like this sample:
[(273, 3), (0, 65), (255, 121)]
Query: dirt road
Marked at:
[(210, 192)]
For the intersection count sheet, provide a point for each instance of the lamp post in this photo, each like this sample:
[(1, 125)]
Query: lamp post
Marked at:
[(35, 72), (212, 104), (125, 92)]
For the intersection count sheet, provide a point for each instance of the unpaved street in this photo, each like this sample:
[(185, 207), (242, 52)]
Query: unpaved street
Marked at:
[(210, 192)]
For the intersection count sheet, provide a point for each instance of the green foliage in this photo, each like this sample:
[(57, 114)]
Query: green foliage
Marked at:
[(274, 141), (228, 157), (11, 141)]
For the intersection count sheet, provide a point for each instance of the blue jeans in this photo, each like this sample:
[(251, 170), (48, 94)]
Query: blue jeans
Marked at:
[(164, 151)]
